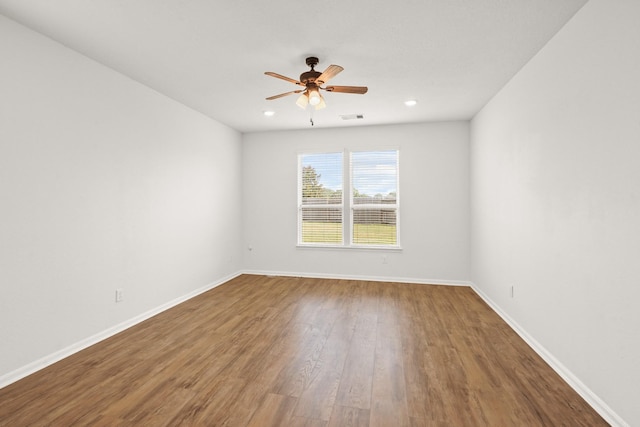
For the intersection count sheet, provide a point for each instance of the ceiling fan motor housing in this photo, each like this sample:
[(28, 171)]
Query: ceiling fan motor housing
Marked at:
[(312, 75), (309, 76)]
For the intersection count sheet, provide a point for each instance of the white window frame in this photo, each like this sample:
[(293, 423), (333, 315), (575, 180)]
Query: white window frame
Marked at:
[(347, 205)]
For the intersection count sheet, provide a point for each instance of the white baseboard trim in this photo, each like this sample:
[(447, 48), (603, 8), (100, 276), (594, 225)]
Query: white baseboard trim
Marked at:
[(589, 396), (43, 362), (360, 277)]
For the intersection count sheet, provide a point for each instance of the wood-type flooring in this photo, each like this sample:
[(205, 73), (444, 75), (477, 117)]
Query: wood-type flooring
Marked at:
[(281, 351)]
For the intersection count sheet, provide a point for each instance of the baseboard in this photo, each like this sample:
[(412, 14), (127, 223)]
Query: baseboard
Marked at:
[(360, 277), (42, 363), (589, 396)]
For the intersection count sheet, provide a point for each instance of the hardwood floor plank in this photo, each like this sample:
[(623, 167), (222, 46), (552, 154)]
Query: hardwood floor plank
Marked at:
[(305, 352), (388, 395), (421, 354), (344, 416), (296, 357), (306, 422), (318, 398), (275, 410), (226, 401), (357, 375)]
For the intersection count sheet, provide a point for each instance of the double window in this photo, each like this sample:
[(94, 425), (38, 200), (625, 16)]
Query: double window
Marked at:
[(348, 198)]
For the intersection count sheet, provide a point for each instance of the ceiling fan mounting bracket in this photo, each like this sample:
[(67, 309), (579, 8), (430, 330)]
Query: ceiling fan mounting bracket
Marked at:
[(312, 61)]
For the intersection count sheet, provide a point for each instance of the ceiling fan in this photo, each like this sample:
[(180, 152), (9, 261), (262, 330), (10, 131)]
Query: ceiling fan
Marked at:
[(313, 82)]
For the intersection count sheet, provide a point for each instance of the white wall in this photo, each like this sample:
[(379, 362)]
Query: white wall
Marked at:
[(555, 210), (104, 184), (434, 197)]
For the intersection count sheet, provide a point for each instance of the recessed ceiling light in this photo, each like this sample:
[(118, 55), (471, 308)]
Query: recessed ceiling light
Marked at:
[(410, 102), (268, 113)]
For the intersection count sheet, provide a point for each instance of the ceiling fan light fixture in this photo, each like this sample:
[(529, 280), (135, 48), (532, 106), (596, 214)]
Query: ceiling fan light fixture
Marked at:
[(321, 104), (303, 101), (268, 113), (314, 96)]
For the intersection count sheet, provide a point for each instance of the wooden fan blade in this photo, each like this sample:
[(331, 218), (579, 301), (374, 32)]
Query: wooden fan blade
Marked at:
[(329, 73), (347, 89), (284, 94), (280, 76)]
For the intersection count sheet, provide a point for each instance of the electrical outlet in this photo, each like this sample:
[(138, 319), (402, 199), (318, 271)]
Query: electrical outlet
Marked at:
[(119, 295)]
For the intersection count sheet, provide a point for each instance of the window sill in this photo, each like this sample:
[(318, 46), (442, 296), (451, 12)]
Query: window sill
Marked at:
[(351, 247)]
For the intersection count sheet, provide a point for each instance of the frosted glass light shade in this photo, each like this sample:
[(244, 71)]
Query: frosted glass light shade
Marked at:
[(303, 101), (314, 97), (321, 104)]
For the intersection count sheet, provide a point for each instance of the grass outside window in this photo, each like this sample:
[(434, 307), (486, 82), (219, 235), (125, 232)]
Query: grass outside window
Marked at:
[(363, 234)]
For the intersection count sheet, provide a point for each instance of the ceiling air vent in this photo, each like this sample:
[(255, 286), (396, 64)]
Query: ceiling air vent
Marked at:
[(351, 116)]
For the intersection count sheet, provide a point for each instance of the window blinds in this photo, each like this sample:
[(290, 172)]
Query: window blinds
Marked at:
[(374, 197), (321, 204)]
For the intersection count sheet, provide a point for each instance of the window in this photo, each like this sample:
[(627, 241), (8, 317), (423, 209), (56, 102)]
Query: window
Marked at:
[(321, 204), (374, 202), (366, 187)]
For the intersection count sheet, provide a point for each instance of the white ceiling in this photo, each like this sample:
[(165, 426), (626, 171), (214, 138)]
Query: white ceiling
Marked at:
[(211, 55)]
